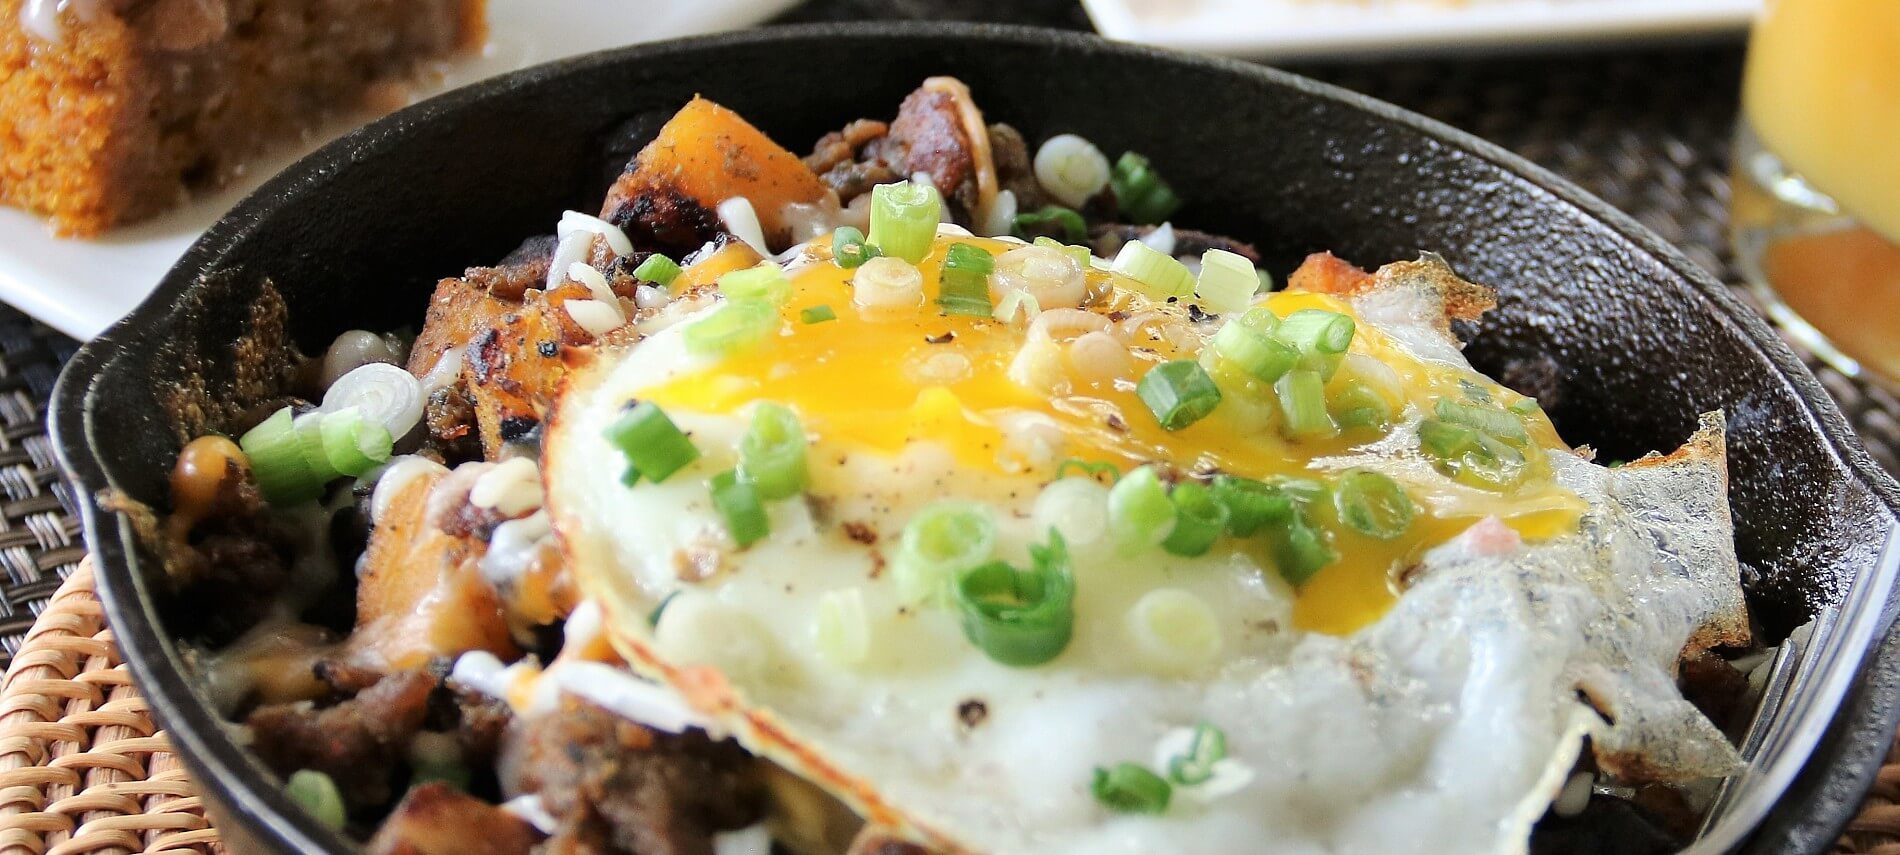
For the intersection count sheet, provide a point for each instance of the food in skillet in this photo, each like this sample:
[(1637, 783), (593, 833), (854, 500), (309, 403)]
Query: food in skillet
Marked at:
[(774, 507)]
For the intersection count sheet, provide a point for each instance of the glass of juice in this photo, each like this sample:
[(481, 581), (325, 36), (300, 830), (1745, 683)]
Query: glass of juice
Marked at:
[(1815, 216)]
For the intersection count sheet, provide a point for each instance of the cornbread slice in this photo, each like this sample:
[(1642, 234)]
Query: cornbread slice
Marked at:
[(114, 110)]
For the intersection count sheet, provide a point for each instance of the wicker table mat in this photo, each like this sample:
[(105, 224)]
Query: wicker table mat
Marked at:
[(82, 768)]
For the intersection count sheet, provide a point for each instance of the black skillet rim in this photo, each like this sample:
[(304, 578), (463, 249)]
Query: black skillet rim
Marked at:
[(199, 736)]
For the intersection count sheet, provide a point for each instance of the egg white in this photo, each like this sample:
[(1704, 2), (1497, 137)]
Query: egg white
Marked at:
[(1446, 726)]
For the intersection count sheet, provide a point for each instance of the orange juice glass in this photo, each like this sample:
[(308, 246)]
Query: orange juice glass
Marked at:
[(1816, 210)]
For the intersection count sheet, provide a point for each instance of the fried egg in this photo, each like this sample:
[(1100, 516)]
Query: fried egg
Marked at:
[(1426, 692)]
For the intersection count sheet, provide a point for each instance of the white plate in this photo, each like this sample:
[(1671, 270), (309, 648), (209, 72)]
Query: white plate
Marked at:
[(82, 286), (1281, 29)]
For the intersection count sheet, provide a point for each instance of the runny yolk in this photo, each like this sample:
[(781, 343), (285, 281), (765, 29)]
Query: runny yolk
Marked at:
[(879, 380)]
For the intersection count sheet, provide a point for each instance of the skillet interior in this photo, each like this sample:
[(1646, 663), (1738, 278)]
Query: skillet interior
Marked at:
[(357, 234)]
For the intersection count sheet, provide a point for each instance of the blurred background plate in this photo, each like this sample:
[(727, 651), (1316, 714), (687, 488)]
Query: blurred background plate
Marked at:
[(1273, 29), (82, 286)]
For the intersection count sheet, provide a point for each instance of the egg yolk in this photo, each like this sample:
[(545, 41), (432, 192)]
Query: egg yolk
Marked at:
[(881, 379)]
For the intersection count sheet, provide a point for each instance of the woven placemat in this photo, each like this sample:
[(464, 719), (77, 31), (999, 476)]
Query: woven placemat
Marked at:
[(83, 769)]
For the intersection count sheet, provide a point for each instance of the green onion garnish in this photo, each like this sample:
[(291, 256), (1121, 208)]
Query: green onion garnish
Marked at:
[(277, 459), (1051, 218), (1303, 405), (652, 443), (772, 453), (1372, 504), (1227, 282), (1320, 336), (732, 327), (1139, 509), (1079, 253), (849, 248), (764, 281), (1259, 355), (317, 795), (1139, 191), (1208, 747), (1179, 393), (653, 617), (1524, 406), (309, 430), (941, 541), (1016, 617), (738, 504), (1129, 788), (1097, 470), (1299, 549), (657, 269), (1497, 423), (1251, 504), (904, 219), (354, 444), (1356, 405), (817, 314), (1445, 440), (1157, 274), (1199, 518), (964, 284)]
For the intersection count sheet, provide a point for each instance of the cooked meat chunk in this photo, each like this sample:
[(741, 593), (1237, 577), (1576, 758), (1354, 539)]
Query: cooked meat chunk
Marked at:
[(844, 146), (1107, 239), (232, 563), (616, 786), (436, 819), (928, 137), (509, 281), (1015, 167), (358, 742)]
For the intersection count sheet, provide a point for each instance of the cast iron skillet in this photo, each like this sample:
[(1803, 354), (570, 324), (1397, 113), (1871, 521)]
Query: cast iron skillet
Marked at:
[(1641, 340)]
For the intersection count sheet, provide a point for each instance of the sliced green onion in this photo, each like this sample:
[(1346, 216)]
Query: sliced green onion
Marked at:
[(1129, 788), (652, 443), (1079, 253), (317, 795), (1445, 440), (1300, 550), (849, 248), (1493, 465), (1303, 404), (353, 444), (1139, 509), (904, 219), (842, 632), (1266, 281), (1227, 282), (1317, 331), (1139, 191), (1175, 632), (1474, 392), (772, 452), (1524, 406), (1179, 393), (963, 285), (764, 281), (1157, 274), (309, 430), (817, 314), (1199, 518), (1357, 405), (657, 269), (738, 504), (277, 459), (653, 617), (1017, 302), (1259, 355), (1097, 470), (1372, 504), (1020, 618), (941, 541), (1209, 746), (1067, 223), (1251, 504), (1498, 423), (731, 328)]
